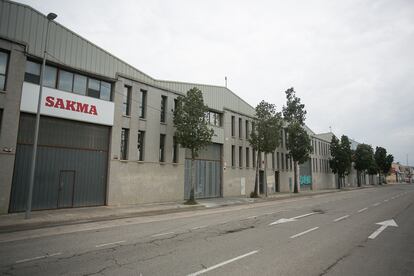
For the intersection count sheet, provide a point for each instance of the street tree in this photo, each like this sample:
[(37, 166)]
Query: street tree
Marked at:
[(383, 161), (265, 135), (298, 140), (192, 131), (363, 159), (341, 160)]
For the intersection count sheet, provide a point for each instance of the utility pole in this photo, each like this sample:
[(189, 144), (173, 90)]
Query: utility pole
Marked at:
[(50, 17)]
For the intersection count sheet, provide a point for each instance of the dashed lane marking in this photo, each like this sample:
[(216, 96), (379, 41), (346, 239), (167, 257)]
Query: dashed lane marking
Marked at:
[(39, 257), (109, 243), (199, 227), (223, 263), (341, 218), (304, 232), (362, 210), (162, 234)]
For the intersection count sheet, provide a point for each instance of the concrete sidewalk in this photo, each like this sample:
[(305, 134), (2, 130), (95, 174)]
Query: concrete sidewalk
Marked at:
[(48, 218)]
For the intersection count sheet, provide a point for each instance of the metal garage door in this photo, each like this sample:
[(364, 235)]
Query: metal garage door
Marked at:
[(71, 164), (208, 173)]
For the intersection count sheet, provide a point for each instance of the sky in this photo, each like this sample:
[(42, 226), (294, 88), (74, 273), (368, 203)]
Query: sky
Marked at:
[(350, 62)]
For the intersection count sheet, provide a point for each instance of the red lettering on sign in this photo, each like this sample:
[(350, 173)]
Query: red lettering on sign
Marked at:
[(80, 107), (71, 105), (59, 103), (49, 101), (93, 110)]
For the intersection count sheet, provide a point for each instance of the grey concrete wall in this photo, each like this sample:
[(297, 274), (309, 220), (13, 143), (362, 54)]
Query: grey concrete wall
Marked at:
[(135, 182), (232, 175), (10, 104)]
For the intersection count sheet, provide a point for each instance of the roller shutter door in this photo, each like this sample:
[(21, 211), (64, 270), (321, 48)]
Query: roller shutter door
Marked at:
[(71, 166)]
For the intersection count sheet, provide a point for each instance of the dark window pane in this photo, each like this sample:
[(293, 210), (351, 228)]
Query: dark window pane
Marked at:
[(93, 88), (141, 145), (163, 108), (79, 84), (126, 101), (50, 77), (175, 150), (162, 148), (32, 72), (232, 126), (65, 80), (143, 104), (124, 143), (3, 62), (105, 91)]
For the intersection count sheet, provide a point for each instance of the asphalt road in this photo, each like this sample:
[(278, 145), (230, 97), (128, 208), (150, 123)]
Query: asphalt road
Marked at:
[(330, 234)]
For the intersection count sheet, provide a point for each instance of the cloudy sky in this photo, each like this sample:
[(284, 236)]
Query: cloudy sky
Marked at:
[(351, 62)]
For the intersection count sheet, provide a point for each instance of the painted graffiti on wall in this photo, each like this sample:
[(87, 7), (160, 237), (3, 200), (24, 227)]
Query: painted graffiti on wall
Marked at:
[(305, 180)]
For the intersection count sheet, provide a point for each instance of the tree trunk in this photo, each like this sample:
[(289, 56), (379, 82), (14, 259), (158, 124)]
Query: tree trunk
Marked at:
[(256, 181), (339, 181), (295, 182), (265, 176), (191, 200), (359, 178)]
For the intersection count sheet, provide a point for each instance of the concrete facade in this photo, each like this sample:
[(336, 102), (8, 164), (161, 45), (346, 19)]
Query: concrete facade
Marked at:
[(10, 109), (134, 181)]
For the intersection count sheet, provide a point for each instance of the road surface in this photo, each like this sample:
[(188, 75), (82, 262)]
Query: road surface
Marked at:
[(329, 234)]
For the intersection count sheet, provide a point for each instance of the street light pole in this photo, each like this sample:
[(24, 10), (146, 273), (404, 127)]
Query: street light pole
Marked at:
[(50, 17)]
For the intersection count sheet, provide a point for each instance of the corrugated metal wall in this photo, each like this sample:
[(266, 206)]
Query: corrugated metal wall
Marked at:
[(65, 147), (216, 97), (208, 173)]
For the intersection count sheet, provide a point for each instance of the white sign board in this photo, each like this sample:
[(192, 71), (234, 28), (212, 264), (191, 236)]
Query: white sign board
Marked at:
[(57, 103)]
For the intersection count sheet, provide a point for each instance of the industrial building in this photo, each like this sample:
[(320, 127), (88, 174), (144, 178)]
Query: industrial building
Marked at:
[(106, 130)]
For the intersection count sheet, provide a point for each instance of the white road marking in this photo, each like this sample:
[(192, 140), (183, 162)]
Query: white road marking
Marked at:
[(162, 234), (109, 243), (341, 218), (38, 257), (304, 232), (305, 215), (283, 220), (223, 263), (362, 210), (384, 224), (386, 200), (376, 204), (199, 227)]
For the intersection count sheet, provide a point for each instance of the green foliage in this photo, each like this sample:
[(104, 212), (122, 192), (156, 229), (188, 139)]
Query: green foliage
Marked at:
[(298, 143), (363, 158), (298, 140), (265, 132), (373, 168), (383, 160), (390, 159), (192, 131), (267, 125), (294, 111), (341, 153)]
